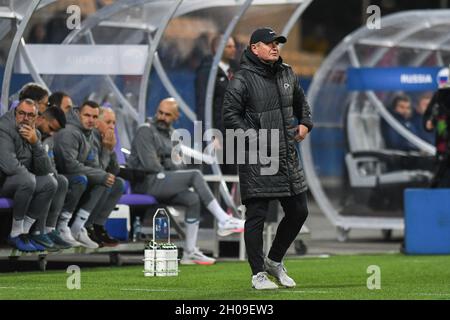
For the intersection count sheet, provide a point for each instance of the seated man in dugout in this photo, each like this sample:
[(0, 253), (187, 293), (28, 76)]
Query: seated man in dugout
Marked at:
[(104, 140), (76, 158), (49, 122), (25, 170), (151, 152), (61, 100)]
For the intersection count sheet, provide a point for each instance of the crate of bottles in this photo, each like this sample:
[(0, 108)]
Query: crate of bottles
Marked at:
[(160, 255)]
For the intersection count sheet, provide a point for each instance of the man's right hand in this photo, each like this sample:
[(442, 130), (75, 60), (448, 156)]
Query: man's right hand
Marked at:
[(109, 140), (110, 179), (28, 133)]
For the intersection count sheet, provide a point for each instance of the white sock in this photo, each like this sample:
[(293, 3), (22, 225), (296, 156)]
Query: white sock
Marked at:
[(217, 211), (49, 230), (17, 228), (63, 220), (80, 220), (27, 224), (191, 236)]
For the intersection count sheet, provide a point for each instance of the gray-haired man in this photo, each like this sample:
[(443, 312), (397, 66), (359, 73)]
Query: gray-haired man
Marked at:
[(104, 142)]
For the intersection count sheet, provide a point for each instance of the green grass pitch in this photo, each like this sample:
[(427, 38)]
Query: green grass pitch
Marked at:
[(336, 277)]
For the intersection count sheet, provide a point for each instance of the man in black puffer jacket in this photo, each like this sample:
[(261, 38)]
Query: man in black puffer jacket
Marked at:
[(265, 94)]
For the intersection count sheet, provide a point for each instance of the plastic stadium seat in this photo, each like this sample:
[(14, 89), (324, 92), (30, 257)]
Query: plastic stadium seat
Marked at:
[(6, 203)]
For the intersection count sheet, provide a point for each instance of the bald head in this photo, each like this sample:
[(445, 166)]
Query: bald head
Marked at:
[(167, 112)]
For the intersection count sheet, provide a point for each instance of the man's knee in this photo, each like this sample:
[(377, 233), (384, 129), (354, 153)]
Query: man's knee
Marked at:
[(78, 183), (119, 185), (197, 173), (191, 199), (47, 184), (26, 182), (63, 183)]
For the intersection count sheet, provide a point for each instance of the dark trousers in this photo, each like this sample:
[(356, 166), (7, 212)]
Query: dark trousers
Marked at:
[(295, 212)]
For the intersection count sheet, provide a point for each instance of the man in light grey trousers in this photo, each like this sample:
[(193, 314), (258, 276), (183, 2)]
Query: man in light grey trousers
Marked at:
[(24, 173), (151, 152), (75, 157)]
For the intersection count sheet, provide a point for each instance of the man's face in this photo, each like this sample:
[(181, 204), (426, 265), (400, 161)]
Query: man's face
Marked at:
[(26, 114), (423, 104), (268, 52), (42, 104), (166, 114), (230, 51), (66, 104), (47, 127), (107, 122), (88, 117), (403, 108)]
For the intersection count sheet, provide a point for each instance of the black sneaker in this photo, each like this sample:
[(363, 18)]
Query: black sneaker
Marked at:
[(93, 236), (103, 236)]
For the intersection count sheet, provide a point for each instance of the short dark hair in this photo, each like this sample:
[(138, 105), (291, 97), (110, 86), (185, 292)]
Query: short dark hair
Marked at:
[(55, 113), (33, 91), (56, 98), (399, 98), (90, 103)]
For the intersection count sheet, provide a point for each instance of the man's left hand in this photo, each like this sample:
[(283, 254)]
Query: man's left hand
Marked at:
[(302, 131)]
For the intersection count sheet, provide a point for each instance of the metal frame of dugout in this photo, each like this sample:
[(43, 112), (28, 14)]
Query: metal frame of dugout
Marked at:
[(158, 14)]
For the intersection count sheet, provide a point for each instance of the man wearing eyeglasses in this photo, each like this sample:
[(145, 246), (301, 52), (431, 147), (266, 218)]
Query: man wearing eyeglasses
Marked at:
[(24, 173)]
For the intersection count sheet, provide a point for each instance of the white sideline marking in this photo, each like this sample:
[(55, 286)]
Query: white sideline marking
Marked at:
[(28, 288), (291, 291), (432, 294), (154, 290), (305, 291)]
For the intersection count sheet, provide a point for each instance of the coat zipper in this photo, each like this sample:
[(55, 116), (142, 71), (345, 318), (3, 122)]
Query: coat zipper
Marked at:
[(285, 134)]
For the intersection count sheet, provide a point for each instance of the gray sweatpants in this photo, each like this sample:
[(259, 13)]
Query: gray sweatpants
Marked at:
[(173, 188), (56, 205), (32, 194), (82, 194), (106, 204)]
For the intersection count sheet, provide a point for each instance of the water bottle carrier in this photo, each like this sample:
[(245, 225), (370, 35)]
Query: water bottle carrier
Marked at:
[(161, 258)]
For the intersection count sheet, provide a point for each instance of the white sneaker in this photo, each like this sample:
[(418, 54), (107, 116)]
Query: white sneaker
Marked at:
[(66, 235), (278, 270), (196, 257), (229, 226), (262, 282), (83, 238)]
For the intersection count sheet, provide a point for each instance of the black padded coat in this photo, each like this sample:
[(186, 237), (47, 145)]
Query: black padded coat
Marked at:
[(263, 96)]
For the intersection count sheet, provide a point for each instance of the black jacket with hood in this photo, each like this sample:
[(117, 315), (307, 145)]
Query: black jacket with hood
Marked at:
[(265, 96)]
